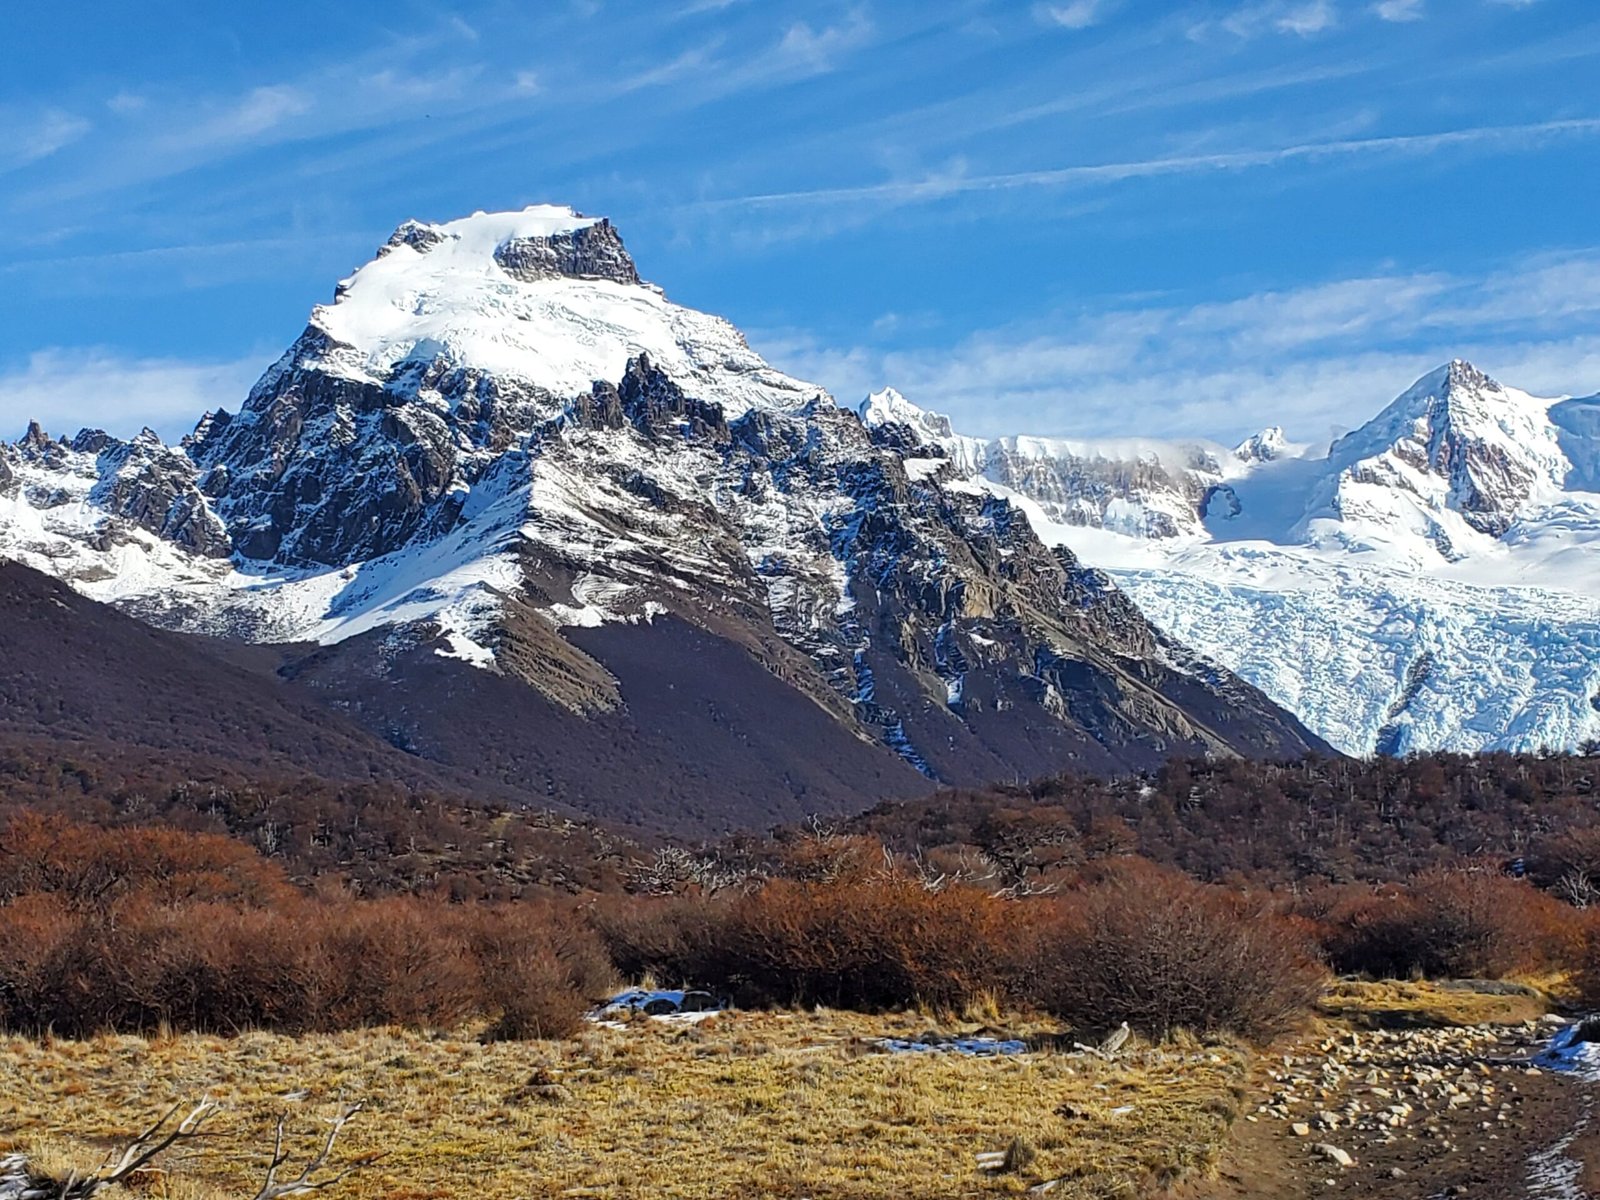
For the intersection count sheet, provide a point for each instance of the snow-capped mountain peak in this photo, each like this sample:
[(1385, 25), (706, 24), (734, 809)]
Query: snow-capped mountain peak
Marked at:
[(1456, 442), (543, 295), (1267, 446), (889, 407)]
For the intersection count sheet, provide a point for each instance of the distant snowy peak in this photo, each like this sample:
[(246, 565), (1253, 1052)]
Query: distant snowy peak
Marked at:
[(1139, 487), (1269, 445), (1456, 441), (1430, 581), (889, 407)]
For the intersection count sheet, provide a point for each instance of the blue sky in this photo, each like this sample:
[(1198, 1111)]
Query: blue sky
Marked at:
[(1078, 217)]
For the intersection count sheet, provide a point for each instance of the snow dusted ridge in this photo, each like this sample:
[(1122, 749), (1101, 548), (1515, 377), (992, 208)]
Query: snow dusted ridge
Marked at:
[(498, 438), (1431, 580)]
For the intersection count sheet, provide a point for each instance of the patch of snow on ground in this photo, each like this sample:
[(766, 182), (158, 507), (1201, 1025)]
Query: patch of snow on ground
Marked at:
[(659, 1004), (977, 1047), (1569, 1053)]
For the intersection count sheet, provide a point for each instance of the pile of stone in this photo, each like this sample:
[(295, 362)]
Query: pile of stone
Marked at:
[(1377, 1086)]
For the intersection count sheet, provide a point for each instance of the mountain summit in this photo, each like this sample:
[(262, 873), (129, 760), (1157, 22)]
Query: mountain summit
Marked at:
[(1461, 443), (537, 521)]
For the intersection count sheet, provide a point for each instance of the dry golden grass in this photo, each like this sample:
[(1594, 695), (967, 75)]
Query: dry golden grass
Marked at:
[(749, 1104), (1388, 1004)]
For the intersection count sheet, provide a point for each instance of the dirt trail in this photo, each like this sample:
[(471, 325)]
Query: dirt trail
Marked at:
[(1421, 1114)]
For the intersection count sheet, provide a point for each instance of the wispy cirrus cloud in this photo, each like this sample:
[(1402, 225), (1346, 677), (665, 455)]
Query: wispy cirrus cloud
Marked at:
[(118, 271), (1307, 19), (1399, 11), (698, 8), (28, 137), (816, 51), (1074, 14), (1301, 18), (259, 111), (940, 186)]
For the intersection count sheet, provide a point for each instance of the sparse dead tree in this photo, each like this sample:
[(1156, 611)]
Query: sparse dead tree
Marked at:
[(966, 868), (162, 1136), (1023, 889), (675, 870), (1577, 888), (303, 1183), (140, 1152)]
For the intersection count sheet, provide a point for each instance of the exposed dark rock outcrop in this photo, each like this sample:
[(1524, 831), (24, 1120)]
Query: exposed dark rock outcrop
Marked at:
[(593, 252), (321, 469), (154, 487)]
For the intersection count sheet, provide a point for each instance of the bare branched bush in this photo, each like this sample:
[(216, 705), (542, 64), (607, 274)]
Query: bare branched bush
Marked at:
[(1165, 953), (674, 871), (122, 1167)]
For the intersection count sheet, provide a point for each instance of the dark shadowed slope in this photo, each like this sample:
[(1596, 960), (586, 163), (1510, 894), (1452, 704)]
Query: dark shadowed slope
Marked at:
[(73, 670)]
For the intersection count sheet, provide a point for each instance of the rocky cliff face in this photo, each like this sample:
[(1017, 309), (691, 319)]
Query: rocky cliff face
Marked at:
[(153, 487), (590, 252), (1139, 488), (120, 486), (319, 469), (497, 452)]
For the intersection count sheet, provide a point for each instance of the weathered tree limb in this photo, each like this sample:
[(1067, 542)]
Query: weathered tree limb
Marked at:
[(302, 1184)]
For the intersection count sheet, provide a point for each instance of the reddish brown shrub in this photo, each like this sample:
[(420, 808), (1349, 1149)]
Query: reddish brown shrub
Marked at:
[(879, 945), (1583, 956), (305, 965), (671, 939), (89, 866), (36, 933), (540, 970), (862, 943), (390, 962), (830, 858), (1165, 953), (1462, 923)]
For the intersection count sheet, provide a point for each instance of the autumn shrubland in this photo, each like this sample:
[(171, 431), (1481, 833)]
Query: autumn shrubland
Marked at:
[(141, 964), (138, 930)]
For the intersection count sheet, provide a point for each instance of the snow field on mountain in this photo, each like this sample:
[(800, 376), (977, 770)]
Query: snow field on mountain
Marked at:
[(1497, 669), (453, 302)]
